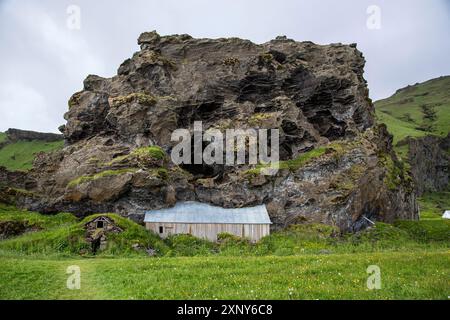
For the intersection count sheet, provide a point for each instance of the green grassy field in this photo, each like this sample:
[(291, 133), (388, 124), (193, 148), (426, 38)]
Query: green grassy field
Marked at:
[(20, 155), (404, 275), (301, 262)]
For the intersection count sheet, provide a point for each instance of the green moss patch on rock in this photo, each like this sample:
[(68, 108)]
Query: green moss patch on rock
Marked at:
[(155, 152), (231, 61), (106, 173), (293, 164), (74, 99), (348, 180), (10, 195), (151, 57), (259, 119), (266, 57), (140, 156), (139, 97)]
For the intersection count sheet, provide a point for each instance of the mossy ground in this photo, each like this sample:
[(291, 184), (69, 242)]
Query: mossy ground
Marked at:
[(155, 152), (397, 172), (258, 118)]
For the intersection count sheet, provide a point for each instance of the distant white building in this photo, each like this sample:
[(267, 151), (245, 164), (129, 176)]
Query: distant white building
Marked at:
[(446, 214)]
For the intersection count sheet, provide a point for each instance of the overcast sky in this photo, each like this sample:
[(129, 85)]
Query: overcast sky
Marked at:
[(43, 61)]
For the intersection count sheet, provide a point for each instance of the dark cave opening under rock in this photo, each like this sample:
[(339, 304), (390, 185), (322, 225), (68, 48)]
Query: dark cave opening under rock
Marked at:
[(202, 170)]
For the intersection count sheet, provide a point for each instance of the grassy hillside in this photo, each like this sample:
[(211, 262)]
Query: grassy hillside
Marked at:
[(63, 235), (398, 128), (20, 155), (2, 137), (416, 111)]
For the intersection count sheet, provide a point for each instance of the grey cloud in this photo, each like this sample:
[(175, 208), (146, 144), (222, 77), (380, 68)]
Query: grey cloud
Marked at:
[(42, 62)]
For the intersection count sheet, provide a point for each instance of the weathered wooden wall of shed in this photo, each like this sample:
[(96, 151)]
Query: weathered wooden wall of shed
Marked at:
[(254, 232)]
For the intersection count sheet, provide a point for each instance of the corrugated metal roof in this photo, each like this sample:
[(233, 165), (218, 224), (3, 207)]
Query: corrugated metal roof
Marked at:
[(197, 212)]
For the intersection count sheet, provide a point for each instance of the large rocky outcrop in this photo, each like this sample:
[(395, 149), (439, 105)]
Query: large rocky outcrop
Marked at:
[(337, 168), (429, 157)]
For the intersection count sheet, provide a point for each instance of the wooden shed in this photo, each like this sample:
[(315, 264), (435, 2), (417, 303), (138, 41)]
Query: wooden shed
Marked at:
[(206, 221)]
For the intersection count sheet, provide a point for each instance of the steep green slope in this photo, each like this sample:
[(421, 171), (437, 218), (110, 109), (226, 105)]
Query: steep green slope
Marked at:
[(2, 137), (398, 128), (417, 110), (20, 155)]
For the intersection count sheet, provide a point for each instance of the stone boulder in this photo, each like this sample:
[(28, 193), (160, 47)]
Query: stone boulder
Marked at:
[(337, 166)]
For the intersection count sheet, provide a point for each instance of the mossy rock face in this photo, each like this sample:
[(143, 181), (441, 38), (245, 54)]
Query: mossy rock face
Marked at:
[(291, 165), (231, 61), (100, 175), (74, 99), (396, 173), (9, 195), (139, 97), (314, 95), (348, 180), (142, 158)]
